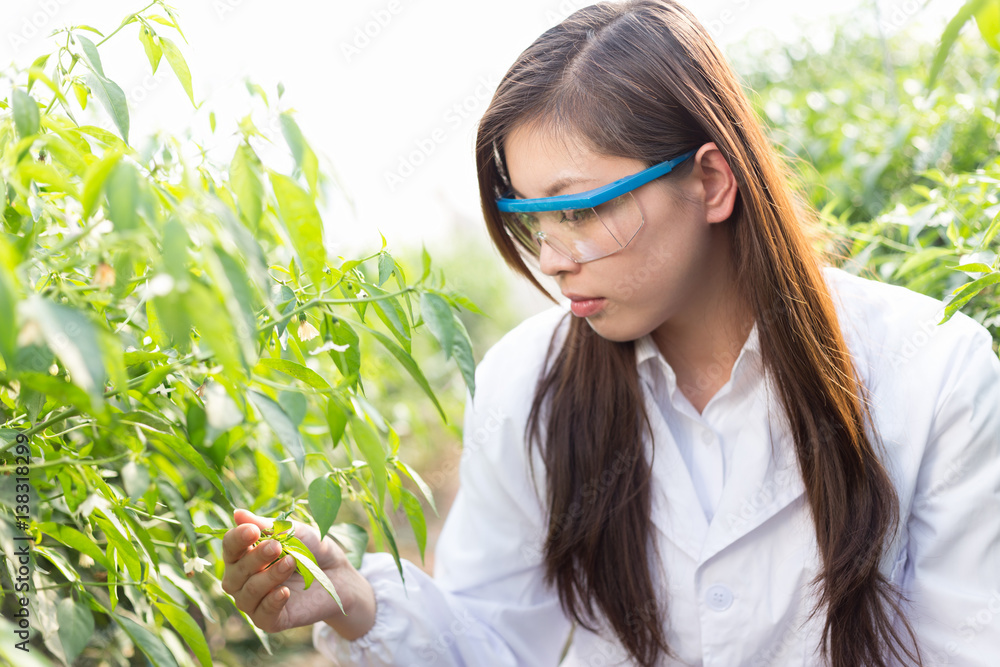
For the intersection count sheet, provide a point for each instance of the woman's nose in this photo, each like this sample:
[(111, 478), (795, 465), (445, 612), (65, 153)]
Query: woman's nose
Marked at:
[(551, 262)]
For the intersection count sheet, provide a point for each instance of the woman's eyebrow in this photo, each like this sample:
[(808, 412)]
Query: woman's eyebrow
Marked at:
[(555, 187)]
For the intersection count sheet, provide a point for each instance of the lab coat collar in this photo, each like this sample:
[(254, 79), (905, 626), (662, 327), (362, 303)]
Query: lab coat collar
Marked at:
[(763, 479)]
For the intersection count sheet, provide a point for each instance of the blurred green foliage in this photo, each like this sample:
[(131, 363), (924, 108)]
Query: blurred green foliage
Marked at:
[(902, 165)]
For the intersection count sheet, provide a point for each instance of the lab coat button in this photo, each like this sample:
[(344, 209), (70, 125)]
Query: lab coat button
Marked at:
[(707, 437), (719, 597)]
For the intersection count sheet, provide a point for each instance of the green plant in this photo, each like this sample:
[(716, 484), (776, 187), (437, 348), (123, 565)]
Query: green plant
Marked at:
[(895, 142), (174, 343)]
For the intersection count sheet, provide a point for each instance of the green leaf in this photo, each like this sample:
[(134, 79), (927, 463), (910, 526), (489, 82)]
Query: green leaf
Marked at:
[(440, 320), (407, 362), (298, 371), (116, 536), (419, 481), (208, 530), (59, 560), (425, 260), (8, 306), (304, 225), (112, 98), (950, 35), (75, 540), (148, 421), (336, 420), (353, 539), (147, 642), (348, 361), (245, 175), (176, 504), (122, 191), (268, 477), (37, 66), (292, 549), (76, 627), (282, 426), (371, 448), (151, 47), (386, 265), (974, 267), (416, 516), (72, 337), (988, 20), (324, 501), (183, 448), (991, 231), (112, 559), (392, 315), (82, 94), (462, 351), (319, 575), (966, 292), (177, 63), (203, 305), (90, 54), (294, 138), (464, 302), (189, 629), (26, 116)]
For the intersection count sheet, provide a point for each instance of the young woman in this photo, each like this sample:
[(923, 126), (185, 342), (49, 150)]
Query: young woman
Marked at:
[(727, 453)]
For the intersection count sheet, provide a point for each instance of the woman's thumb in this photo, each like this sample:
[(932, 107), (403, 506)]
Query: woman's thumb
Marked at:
[(242, 516)]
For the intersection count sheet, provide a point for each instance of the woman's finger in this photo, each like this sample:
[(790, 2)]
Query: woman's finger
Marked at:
[(266, 616), (254, 560), (261, 584)]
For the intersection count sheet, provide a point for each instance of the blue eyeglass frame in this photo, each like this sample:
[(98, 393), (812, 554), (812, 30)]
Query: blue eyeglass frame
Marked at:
[(594, 197)]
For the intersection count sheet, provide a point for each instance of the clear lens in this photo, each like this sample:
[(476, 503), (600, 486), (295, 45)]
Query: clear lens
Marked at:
[(582, 235)]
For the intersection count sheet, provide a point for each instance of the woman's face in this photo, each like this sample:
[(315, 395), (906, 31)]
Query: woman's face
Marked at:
[(674, 265)]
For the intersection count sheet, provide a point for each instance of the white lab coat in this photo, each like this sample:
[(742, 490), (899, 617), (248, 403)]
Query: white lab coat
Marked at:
[(736, 587)]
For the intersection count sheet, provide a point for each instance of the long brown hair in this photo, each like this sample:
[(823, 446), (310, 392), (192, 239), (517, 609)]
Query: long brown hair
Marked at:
[(644, 80)]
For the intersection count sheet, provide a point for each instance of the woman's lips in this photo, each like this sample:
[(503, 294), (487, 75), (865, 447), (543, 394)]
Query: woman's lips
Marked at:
[(587, 307)]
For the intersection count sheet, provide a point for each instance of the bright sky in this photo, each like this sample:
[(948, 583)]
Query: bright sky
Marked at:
[(388, 90)]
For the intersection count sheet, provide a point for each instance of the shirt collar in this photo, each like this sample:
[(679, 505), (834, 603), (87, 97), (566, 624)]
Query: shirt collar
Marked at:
[(648, 357)]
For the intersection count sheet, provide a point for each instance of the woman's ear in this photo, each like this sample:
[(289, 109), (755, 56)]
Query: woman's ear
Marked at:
[(718, 185)]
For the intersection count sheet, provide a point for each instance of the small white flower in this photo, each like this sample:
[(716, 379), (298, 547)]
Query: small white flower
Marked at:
[(307, 331), (329, 345), (195, 565)]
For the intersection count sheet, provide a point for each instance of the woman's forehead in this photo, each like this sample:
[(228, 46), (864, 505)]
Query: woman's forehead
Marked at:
[(543, 161)]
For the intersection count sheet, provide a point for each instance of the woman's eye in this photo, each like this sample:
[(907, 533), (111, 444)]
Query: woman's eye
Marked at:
[(527, 219), (578, 215)]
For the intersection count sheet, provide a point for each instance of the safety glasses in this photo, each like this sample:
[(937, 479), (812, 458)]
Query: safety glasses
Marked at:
[(587, 225)]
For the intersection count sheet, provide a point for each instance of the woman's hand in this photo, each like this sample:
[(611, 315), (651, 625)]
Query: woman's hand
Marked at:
[(275, 598)]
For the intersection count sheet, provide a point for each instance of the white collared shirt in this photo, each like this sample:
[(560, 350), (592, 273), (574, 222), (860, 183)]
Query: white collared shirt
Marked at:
[(705, 440), (733, 526)]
